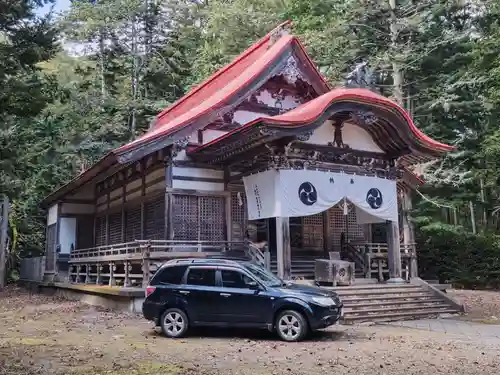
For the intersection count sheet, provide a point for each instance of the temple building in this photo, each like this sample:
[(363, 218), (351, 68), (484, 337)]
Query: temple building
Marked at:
[(264, 159)]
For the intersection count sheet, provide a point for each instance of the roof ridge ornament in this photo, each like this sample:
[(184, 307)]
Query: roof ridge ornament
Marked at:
[(362, 76), (277, 33), (291, 72)]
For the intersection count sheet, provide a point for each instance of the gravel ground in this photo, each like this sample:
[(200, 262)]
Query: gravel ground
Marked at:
[(481, 306), (45, 335)]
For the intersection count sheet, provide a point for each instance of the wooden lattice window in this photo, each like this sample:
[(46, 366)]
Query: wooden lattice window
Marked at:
[(115, 228), (338, 224), (199, 218), (100, 230), (239, 217), (132, 223), (155, 218), (185, 217), (313, 232), (212, 218), (50, 249)]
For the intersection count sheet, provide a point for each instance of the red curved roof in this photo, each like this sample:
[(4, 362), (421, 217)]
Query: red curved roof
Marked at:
[(221, 86), (312, 110)]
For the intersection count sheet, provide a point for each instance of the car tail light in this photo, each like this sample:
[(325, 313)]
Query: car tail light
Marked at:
[(150, 290)]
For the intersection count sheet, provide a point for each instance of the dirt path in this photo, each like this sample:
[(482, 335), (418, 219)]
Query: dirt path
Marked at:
[(43, 335)]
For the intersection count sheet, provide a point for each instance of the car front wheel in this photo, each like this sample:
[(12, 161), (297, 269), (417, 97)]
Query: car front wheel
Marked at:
[(291, 325), (174, 323)]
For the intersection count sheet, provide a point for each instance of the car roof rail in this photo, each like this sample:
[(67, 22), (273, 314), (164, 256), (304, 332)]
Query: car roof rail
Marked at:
[(201, 261)]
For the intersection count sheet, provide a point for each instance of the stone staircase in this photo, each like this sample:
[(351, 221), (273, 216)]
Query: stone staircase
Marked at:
[(390, 302), (302, 267)]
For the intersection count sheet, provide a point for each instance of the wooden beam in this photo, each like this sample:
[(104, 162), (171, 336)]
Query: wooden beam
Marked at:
[(393, 252), (143, 194), (169, 203), (283, 250)]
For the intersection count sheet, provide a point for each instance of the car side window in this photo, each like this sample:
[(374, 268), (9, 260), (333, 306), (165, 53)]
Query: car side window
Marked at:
[(234, 279), (201, 276), (170, 275)]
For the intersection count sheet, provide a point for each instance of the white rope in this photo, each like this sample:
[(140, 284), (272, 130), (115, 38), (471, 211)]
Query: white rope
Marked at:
[(434, 203)]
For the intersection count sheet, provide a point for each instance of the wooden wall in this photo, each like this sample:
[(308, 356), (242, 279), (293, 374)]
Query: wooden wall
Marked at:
[(130, 205)]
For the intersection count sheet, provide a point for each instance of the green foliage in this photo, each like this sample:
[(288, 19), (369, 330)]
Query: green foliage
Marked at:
[(453, 255)]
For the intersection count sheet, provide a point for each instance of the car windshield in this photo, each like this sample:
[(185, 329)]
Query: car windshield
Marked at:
[(264, 276)]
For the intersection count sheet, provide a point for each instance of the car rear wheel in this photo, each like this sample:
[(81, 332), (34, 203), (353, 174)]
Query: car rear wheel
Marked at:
[(291, 325), (174, 323)]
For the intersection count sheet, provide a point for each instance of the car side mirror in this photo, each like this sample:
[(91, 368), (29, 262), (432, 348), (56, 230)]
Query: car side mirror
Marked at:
[(253, 285)]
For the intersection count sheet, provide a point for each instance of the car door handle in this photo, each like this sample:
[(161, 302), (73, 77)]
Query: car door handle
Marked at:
[(184, 292), (225, 295)]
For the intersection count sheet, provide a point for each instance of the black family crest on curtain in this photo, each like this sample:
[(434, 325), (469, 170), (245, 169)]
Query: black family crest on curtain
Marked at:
[(374, 198), (307, 193)]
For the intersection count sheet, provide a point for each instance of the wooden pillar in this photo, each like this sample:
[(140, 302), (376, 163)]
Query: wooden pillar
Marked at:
[(409, 231), (393, 252), (126, 269), (123, 218), (327, 243), (98, 279), (146, 251), (143, 195), (283, 250), (169, 229), (112, 269), (87, 273)]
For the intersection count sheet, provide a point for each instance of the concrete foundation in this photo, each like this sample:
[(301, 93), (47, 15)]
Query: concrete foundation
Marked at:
[(116, 298)]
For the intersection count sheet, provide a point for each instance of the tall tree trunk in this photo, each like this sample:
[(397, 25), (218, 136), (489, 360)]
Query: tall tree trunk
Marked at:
[(101, 63), (135, 67), (397, 73)]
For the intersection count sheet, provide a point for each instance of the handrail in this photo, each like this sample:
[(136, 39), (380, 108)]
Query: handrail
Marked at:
[(138, 246), (355, 255), (255, 253)]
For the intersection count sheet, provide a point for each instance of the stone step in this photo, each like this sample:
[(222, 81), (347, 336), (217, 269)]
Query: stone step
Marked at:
[(386, 299), (384, 317), (381, 292), (370, 303), (391, 308), (382, 286)]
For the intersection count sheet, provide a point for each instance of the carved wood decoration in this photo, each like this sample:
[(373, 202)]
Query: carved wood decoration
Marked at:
[(279, 89), (337, 135)]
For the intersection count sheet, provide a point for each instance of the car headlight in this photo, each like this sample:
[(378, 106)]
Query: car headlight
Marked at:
[(323, 301)]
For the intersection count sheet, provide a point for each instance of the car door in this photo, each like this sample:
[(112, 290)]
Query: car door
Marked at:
[(239, 303), (201, 292)]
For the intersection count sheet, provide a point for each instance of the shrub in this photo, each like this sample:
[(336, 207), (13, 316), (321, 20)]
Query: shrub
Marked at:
[(453, 255)]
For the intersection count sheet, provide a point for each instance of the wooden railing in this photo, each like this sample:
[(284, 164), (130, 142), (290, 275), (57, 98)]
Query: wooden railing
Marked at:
[(259, 254), (156, 248), (133, 263), (376, 261)]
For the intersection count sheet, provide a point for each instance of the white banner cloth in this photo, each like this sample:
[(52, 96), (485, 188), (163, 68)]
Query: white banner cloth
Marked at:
[(292, 193)]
